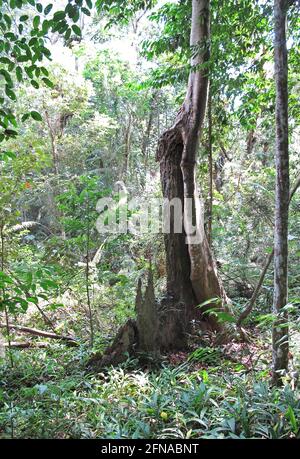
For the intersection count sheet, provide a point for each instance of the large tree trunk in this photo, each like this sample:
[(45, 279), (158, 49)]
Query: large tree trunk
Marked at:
[(191, 271), (280, 329)]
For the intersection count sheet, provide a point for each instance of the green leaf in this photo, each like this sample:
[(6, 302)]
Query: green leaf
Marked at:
[(225, 317), (25, 117), (292, 418), (44, 71), (71, 10), (10, 93), (48, 9), (23, 303), (9, 155), (59, 15), (19, 74), (215, 300), (43, 296), (5, 60), (11, 118), (6, 76), (33, 299), (23, 58), (68, 34), (76, 30), (54, 306), (48, 284), (7, 20), (10, 133), (4, 277), (24, 18), (86, 11), (36, 116), (45, 51), (46, 26), (48, 82), (35, 84), (36, 22)]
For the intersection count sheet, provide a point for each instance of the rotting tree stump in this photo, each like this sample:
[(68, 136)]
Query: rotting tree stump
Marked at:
[(159, 327)]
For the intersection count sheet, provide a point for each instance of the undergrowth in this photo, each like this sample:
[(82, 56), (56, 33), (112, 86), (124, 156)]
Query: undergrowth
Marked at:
[(48, 394)]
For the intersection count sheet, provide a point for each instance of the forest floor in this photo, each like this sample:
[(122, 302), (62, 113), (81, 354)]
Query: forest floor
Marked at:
[(209, 392)]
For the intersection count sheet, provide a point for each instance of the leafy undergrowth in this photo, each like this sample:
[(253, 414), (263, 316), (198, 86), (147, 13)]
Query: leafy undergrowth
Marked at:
[(48, 394)]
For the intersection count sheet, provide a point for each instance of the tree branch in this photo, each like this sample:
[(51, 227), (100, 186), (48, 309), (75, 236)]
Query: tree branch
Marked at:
[(33, 331)]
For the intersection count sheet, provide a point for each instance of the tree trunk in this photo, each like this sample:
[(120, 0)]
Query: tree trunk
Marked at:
[(280, 329), (191, 270), (53, 143), (33, 331), (127, 141), (146, 138), (250, 143), (210, 172)]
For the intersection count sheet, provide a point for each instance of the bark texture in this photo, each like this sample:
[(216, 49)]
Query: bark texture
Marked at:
[(191, 270), (127, 142), (210, 172), (33, 331), (280, 330)]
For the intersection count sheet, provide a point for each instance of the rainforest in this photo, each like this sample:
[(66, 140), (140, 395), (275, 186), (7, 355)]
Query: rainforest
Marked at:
[(149, 220)]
